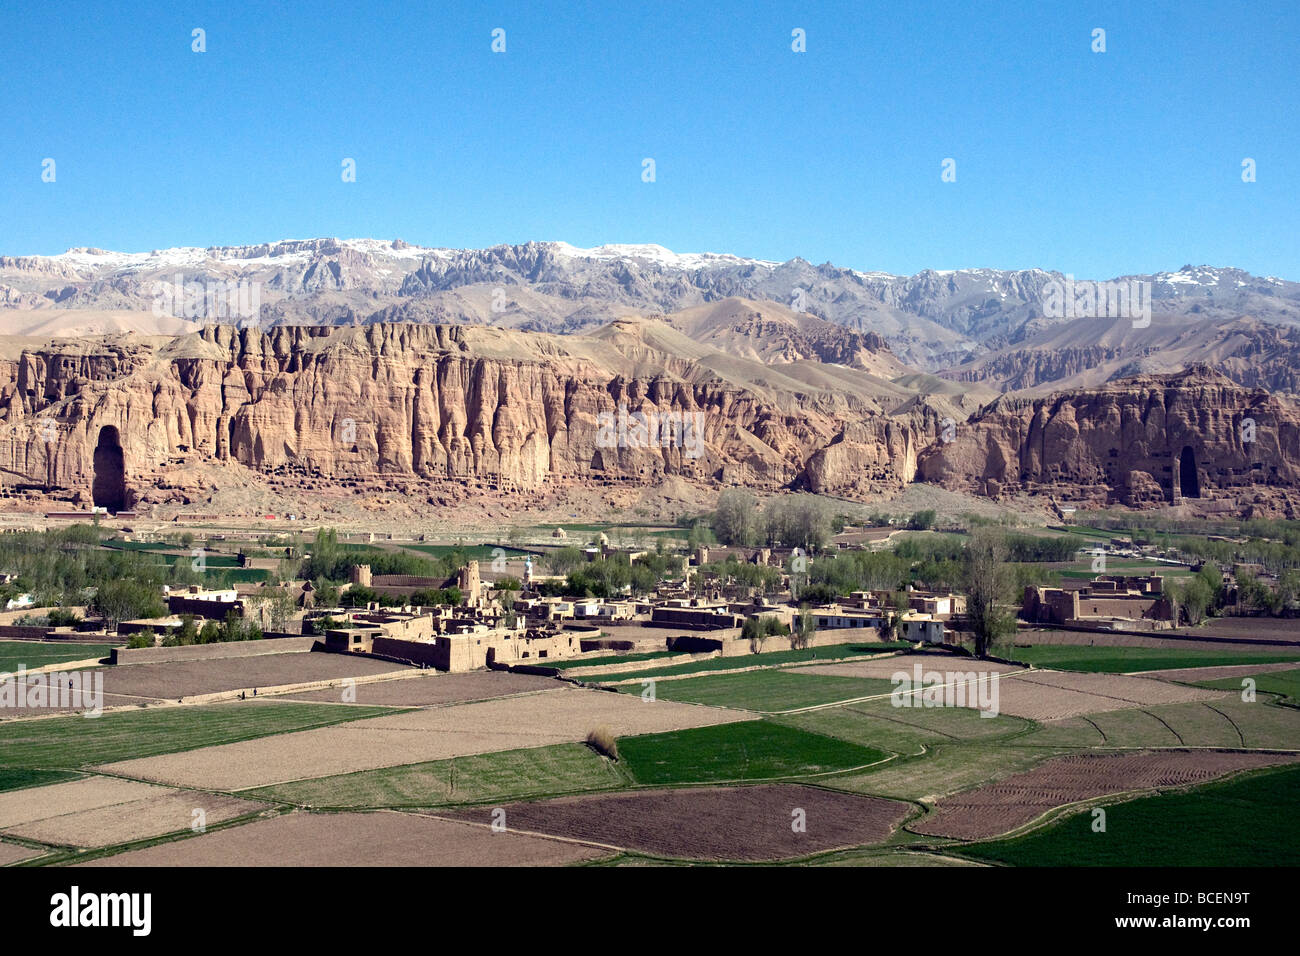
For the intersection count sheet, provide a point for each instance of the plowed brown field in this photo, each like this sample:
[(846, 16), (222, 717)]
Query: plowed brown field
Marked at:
[(1000, 807), (710, 823)]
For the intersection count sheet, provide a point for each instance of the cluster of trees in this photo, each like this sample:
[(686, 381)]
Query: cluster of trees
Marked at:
[(127, 599), (1028, 547), (922, 520), (330, 560), (63, 567), (359, 596), (231, 629), (849, 571), (330, 563), (1272, 543), (565, 559), (759, 629), (1256, 597), (760, 578), (55, 617), (1275, 556), (1196, 597), (612, 576), (603, 578), (790, 521), (977, 564)]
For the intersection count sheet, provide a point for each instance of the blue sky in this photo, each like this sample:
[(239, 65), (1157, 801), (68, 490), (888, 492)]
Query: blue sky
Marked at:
[(1093, 164)]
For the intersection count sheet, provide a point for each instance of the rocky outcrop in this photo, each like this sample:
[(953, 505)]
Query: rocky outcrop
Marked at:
[(433, 403), (1087, 352), (1025, 368), (1147, 440)]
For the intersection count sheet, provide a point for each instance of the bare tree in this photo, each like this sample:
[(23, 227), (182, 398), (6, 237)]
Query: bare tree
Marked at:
[(805, 628), (736, 516), (987, 583)]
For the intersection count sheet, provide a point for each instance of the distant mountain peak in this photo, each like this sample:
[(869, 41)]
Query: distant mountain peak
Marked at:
[(934, 319)]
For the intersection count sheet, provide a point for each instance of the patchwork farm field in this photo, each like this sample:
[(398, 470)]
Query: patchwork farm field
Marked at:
[(564, 715), (478, 778), (758, 750), (1200, 675), (18, 779), (34, 654), (943, 769), (191, 678), (1011, 803), (884, 668), (75, 742), (382, 838), (1124, 660), (17, 853), (711, 769), (708, 823), (1207, 638), (1246, 628), (134, 684), (829, 652), (1224, 722), (1249, 820), (1286, 684), (904, 730), (754, 750), (763, 691), (150, 815), (1054, 695), (429, 689)]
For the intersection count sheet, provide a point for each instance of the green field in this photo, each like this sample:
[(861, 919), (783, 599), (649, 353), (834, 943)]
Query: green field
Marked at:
[(1120, 567), (904, 730), (31, 654), (73, 742), (1084, 531), (508, 775), (142, 546), (1229, 722), (829, 652), (240, 575), (20, 779), (765, 691), (945, 769), (1285, 684), (1251, 820), (755, 750), (168, 554), (1124, 660)]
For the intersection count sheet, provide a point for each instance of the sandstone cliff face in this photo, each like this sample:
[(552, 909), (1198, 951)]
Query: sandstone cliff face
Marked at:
[(1140, 441), (437, 403)]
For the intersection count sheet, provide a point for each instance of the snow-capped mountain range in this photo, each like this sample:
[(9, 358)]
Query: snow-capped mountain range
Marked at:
[(933, 319)]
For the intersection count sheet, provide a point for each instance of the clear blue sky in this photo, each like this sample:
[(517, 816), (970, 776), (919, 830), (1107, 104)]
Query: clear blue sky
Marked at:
[(1094, 164)]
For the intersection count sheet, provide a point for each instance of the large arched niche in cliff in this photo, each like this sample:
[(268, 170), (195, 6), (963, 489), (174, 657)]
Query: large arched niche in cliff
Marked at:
[(109, 486), (1189, 482)]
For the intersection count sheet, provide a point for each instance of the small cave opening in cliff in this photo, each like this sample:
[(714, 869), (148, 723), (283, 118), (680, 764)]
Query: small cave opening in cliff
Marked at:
[(109, 486), (1189, 482)]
